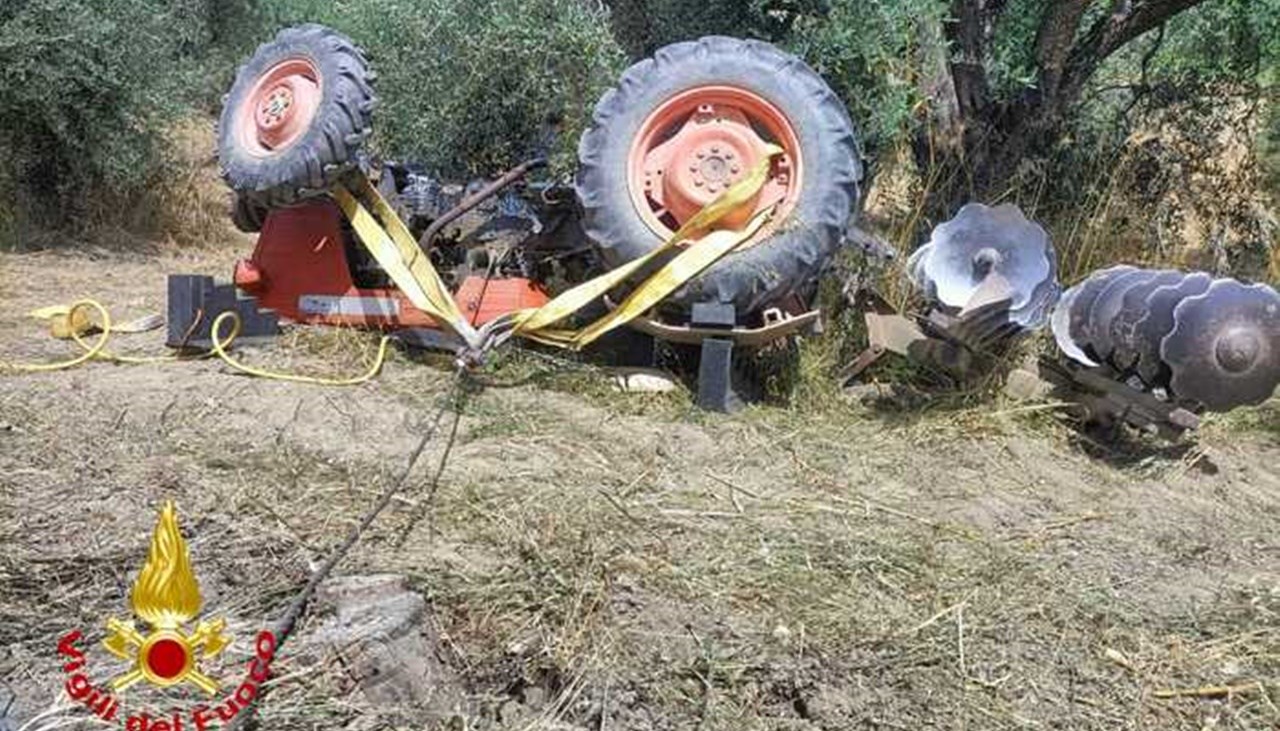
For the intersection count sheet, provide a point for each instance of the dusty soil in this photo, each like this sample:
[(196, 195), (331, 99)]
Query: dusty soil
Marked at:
[(602, 561)]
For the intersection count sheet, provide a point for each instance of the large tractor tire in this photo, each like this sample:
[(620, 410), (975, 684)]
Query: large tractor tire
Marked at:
[(296, 117), (681, 127)]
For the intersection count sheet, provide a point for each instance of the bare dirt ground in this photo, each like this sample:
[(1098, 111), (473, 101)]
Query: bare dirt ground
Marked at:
[(604, 561)]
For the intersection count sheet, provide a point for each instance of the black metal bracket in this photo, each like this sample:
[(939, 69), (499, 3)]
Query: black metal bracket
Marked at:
[(960, 346), (195, 301), (716, 390), (1107, 399)]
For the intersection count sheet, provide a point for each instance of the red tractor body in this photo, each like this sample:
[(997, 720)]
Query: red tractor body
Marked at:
[(304, 267)]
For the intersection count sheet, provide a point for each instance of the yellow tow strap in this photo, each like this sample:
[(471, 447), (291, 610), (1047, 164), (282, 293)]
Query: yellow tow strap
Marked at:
[(408, 267), (685, 266), (700, 254), (403, 260)]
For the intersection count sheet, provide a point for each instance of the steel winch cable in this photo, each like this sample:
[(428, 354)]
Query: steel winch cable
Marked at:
[(293, 613)]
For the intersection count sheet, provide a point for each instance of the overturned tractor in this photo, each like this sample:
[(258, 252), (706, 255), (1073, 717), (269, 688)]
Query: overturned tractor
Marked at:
[(715, 183), (716, 140)]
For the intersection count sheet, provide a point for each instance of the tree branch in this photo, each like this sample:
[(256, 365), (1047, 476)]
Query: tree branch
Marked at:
[(1140, 18), (1128, 20), (1054, 40), (966, 33)]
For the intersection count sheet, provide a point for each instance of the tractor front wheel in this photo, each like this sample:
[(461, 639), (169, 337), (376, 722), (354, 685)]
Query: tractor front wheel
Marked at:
[(296, 117)]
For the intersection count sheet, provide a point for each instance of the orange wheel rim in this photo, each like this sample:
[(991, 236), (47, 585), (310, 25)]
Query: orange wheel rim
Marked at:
[(698, 143), (279, 108)]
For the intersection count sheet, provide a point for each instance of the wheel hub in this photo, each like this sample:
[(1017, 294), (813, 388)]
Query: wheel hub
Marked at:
[(710, 153), (698, 144), (272, 111), (280, 107), (1237, 350)]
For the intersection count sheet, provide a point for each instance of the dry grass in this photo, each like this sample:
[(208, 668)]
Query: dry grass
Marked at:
[(192, 205), (602, 560), (596, 559)]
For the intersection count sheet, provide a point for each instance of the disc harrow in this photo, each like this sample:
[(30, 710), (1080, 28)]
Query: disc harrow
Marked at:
[(987, 277), (1187, 338)]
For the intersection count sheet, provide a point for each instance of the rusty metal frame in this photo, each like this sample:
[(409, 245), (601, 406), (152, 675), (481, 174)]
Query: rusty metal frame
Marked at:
[(780, 327)]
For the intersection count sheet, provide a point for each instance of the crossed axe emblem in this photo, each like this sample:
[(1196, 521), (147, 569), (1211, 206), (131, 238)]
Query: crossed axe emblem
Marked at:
[(167, 655)]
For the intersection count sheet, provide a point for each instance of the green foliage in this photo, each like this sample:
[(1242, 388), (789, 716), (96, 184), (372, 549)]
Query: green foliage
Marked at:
[(88, 88), (1224, 40), (87, 92), (1012, 65), (78, 103), (872, 54), (470, 86)]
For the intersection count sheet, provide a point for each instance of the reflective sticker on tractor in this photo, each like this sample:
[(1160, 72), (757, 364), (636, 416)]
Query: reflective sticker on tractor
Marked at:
[(320, 304)]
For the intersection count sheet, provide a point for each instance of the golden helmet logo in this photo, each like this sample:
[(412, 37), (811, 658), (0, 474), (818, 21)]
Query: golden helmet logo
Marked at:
[(166, 597)]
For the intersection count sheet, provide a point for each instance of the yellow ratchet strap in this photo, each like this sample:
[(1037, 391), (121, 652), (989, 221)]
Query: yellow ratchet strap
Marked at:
[(399, 255), (700, 254)]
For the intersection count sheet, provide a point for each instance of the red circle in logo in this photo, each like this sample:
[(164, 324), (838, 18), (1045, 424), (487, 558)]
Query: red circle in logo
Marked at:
[(167, 658)]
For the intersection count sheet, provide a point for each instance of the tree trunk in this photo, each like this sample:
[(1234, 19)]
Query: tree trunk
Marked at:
[(975, 142)]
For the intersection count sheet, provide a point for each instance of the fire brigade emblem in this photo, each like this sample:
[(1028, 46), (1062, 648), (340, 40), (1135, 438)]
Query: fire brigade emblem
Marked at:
[(166, 597)]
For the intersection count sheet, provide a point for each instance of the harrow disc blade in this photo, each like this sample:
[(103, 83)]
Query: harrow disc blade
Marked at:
[(915, 271), (1077, 328), (1158, 321), (1133, 308), (1036, 313), (1107, 306), (984, 326), (981, 241), (1224, 348), (1060, 324)]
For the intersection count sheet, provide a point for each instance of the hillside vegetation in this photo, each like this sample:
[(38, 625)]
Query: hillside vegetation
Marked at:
[(1075, 109)]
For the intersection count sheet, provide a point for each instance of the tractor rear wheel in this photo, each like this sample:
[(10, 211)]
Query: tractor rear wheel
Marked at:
[(683, 126), (296, 117)]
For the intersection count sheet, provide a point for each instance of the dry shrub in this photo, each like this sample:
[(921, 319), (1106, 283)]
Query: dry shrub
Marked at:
[(1191, 193), (1186, 188), (190, 205)]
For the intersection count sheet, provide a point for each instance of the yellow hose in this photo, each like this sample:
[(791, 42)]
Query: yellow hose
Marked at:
[(97, 350), (220, 345)]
